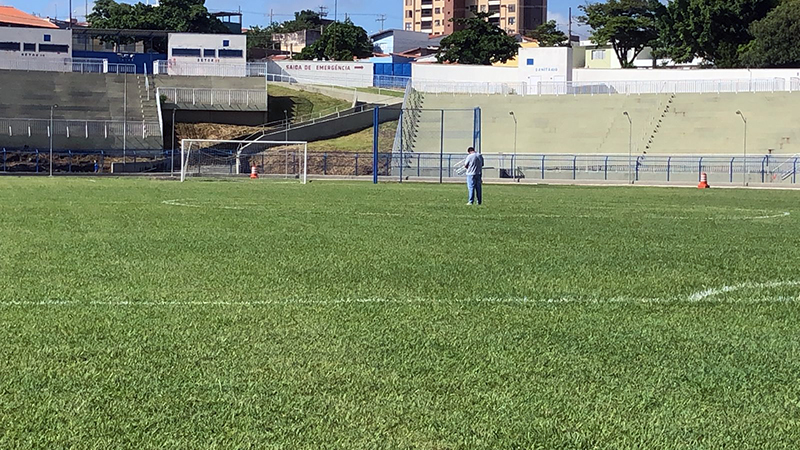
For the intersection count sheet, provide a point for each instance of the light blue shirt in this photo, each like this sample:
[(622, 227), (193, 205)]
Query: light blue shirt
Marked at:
[(474, 164)]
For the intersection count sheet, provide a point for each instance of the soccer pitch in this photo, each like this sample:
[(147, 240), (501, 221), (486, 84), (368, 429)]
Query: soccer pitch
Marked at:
[(139, 313)]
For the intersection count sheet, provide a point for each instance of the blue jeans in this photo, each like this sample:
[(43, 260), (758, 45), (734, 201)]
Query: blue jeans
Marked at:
[(474, 186)]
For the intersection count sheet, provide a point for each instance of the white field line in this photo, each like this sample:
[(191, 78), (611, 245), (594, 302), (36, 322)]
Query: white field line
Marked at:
[(190, 203), (706, 296)]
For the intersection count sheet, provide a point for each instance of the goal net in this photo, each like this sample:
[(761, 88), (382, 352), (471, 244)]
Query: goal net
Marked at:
[(219, 158)]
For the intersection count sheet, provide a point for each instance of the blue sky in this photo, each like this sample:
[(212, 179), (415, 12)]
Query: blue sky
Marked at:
[(256, 12)]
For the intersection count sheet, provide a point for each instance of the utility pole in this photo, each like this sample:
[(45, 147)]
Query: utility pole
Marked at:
[(382, 19), (569, 36), (336, 11), (70, 15), (271, 15), (323, 11)]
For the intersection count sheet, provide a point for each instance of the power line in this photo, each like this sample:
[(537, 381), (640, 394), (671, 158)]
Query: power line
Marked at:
[(382, 19)]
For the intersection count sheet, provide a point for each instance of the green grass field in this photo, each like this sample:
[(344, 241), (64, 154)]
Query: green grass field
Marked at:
[(139, 313)]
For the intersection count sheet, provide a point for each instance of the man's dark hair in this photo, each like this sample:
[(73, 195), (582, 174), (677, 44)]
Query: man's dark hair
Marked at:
[(471, 149)]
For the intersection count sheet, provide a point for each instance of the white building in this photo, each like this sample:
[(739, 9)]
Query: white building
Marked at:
[(399, 41), (40, 49), (207, 54)]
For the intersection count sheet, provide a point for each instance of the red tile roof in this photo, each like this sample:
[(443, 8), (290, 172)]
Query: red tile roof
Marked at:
[(12, 16)]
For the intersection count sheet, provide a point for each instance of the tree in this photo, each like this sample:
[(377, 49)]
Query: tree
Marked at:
[(628, 25), (177, 15), (477, 42), (776, 40), (548, 34), (341, 41), (259, 37), (715, 30), (303, 20)]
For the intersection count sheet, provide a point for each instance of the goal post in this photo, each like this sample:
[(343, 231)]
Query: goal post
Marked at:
[(220, 158)]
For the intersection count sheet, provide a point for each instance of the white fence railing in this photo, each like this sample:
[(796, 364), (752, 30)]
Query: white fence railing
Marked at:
[(66, 65), (88, 129), (214, 97), (606, 87), (794, 85)]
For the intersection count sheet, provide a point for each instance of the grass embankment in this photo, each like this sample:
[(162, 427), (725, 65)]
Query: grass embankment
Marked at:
[(297, 103), (150, 314)]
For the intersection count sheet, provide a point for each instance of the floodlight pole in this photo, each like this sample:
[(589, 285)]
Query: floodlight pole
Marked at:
[(125, 120), (286, 118), (376, 116), (52, 132), (630, 146), (514, 159), (172, 155), (744, 119)]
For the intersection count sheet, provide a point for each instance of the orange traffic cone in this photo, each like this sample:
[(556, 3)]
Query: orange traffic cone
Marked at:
[(703, 182), (254, 172)]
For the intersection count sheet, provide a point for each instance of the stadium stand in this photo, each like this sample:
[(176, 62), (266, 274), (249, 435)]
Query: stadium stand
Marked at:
[(584, 124), (80, 97)]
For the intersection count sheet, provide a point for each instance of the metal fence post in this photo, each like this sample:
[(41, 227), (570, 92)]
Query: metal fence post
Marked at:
[(794, 168), (4, 159), (731, 172), (669, 164), (70, 161), (575, 167), (700, 169), (605, 170), (324, 163), (449, 166), (356, 164), (37, 160), (763, 162), (543, 156), (419, 158)]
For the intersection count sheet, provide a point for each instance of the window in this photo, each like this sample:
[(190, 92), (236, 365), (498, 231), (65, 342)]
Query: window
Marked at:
[(598, 54), (47, 38), (227, 53), (437, 10), (438, 22), (226, 43), (186, 52), (209, 53), (9, 46), (53, 48), (408, 26), (409, 14), (29, 47), (512, 21), (483, 8), (512, 8)]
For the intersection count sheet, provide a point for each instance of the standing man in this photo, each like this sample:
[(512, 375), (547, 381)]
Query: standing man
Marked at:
[(474, 166)]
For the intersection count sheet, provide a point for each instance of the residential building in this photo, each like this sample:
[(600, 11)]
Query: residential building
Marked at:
[(398, 41), (12, 17), (297, 41), (434, 16)]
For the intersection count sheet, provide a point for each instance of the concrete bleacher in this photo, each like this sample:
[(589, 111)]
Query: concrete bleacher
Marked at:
[(80, 97), (585, 124), (708, 124)]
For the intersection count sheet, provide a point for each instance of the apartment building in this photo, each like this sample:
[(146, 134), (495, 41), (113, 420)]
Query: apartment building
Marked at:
[(434, 16)]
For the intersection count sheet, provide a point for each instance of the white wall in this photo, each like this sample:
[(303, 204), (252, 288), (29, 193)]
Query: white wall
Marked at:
[(208, 62), (349, 74), (602, 75), (451, 73), (36, 59), (545, 64)]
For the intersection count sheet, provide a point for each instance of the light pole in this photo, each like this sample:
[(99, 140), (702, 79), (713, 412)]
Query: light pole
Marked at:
[(514, 159), (52, 131), (286, 118), (744, 119), (172, 155), (630, 146), (125, 120)]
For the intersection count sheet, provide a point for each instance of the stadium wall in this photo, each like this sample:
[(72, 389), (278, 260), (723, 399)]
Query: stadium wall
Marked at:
[(348, 74)]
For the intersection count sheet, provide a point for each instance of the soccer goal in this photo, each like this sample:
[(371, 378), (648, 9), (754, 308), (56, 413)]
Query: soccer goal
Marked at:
[(219, 158)]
